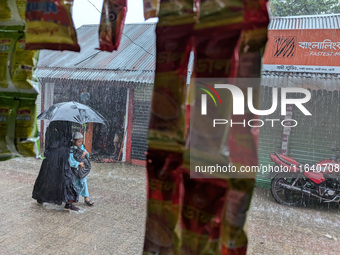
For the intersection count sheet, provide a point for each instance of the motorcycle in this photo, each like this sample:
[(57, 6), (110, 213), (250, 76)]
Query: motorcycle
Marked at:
[(293, 182)]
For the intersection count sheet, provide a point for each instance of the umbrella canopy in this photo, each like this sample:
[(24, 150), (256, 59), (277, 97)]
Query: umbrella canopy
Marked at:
[(72, 111)]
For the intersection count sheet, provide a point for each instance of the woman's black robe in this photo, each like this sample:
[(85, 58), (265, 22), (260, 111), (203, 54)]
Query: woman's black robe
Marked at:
[(55, 182)]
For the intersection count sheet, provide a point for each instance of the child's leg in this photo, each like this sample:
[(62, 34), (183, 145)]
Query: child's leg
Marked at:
[(82, 187), (84, 192)]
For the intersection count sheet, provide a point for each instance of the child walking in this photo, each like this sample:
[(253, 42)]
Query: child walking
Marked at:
[(81, 166)]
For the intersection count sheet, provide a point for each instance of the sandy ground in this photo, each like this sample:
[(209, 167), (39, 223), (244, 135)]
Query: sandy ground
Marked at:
[(115, 225)]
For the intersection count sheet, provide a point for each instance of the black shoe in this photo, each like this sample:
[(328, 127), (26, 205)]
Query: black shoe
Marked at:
[(71, 207), (40, 202)]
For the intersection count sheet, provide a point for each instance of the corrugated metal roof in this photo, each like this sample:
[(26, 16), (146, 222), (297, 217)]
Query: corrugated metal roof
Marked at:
[(329, 21), (99, 75), (134, 60), (313, 81)]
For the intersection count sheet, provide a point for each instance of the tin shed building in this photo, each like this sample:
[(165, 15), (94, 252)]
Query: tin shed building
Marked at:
[(117, 84), (302, 52)]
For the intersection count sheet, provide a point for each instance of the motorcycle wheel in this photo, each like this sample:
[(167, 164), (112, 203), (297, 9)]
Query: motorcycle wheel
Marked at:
[(283, 195)]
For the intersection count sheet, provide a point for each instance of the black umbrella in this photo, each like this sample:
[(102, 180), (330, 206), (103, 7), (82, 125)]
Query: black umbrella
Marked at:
[(72, 111)]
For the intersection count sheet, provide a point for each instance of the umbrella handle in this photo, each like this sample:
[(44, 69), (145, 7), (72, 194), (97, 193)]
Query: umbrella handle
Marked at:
[(84, 125)]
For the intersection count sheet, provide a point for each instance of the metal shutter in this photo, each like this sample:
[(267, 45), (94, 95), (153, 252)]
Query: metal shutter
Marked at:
[(141, 112), (311, 140), (270, 138)]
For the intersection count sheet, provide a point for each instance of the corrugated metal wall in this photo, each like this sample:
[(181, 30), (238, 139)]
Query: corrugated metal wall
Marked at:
[(311, 140), (270, 138), (140, 121)]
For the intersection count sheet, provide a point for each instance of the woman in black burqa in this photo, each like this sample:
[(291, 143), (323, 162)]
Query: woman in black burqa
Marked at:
[(55, 182)]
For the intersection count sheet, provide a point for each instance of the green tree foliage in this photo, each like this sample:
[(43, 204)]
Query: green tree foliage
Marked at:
[(303, 7)]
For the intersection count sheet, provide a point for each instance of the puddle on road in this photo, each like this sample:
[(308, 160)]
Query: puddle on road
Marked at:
[(53, 207), (61, 208)]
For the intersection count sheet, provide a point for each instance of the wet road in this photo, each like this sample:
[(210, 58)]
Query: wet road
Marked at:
[(277, 229), (115, 225)]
